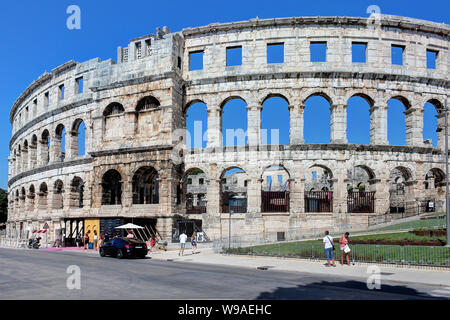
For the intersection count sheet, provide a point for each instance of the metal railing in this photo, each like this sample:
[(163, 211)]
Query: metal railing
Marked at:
[(319, 201)]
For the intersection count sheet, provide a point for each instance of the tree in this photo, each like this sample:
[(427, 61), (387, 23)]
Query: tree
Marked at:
[(3, 205)]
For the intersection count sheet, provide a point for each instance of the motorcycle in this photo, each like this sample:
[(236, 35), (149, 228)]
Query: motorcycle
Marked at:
[(34, 243)]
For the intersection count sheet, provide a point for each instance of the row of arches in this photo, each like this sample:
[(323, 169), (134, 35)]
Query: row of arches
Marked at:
[(49, 147), (275, 120)]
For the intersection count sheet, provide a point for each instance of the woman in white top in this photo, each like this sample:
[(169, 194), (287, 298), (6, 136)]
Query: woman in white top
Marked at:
[(95, 239)]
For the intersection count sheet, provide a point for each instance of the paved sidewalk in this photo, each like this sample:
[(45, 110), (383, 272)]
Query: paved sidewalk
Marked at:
[(358, 271)]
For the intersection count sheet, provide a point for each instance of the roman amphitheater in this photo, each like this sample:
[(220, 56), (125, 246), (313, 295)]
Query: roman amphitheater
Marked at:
[(133, 166)]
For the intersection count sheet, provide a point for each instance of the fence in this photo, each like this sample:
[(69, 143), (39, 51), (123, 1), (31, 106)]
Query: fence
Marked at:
[(319, 201), (234, 209), (196, 209), (360, 202), (387, 254), (274, 201)]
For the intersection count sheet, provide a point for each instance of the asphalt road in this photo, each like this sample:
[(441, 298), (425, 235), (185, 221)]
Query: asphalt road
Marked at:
[(33, 274)]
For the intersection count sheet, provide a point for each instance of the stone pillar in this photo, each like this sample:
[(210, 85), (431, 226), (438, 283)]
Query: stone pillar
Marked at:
[(339, 193), (441, 131), (297, 195), (378, 124), (414, 126), (33, 159), (381, 188), (164, 227), (214, 127), (55, 150), (72, 145), (296, 113), (338, 123), (211, 219), (254, 125), (25, 159), (254, 195)]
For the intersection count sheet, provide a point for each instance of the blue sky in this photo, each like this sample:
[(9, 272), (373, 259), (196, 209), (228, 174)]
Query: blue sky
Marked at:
[(35, 39)]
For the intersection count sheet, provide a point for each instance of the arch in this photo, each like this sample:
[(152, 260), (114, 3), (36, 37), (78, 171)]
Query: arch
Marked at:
[(368, 170), (319, 93), (358, 118), (196, 125), (111, 187), (396, 120), (114, 108), (324, 167), (437, 175), (195, 189), (79, 137), (275, 121), (44, 155), (147, 103), (229, 98), (437, 104), (58, 194), (145, 186), (234, 121), (405, 172), (76, 192), (430, 124), (60, 136), (233, 190), (317, 118), (275, 194), (192, 102), (365, 96), (274, 95)]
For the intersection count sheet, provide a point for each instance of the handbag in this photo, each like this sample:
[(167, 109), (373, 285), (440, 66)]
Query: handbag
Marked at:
[(347, 249)]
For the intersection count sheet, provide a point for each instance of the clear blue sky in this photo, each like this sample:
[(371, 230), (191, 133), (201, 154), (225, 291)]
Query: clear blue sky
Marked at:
[(35, 39)]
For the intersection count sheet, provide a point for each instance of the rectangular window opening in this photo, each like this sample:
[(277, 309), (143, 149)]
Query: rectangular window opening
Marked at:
[(79, 83), (46, 99), (397, 52), (318, 51), (359, 52), (234, 56), (275, 53), (196, 60), (61, 92), (431, 59)]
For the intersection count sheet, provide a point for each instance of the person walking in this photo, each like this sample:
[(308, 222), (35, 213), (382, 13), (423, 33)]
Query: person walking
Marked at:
[(194, 242), (183, 238), (78, 240), (329, 249), (106, 237), (58, 240), (152, 243), (345, 249), (101, 240), (95, 240), (86, 241)]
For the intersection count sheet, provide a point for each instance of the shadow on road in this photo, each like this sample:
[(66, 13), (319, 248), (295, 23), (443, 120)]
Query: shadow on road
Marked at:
[(344, 290)]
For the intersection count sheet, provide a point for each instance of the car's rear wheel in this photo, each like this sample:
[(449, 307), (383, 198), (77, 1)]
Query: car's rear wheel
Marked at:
[(142, 256), (102, 252), (119, 254)]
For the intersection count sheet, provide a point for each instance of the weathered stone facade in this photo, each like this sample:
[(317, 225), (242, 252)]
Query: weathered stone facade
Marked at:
[(135, 117)]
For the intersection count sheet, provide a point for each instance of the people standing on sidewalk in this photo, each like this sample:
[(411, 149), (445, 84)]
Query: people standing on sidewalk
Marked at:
[(78, 240), (101, 240), (86, 241), (183, 238), (329, 248), (345, 249), (106, 237), (194, 242), (58, 240), (95, 240)]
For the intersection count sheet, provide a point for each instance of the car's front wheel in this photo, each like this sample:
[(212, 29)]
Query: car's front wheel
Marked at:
[(102, 252), (119, 254)]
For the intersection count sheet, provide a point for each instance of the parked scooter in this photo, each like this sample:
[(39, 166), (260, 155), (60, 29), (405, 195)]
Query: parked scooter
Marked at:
[(34, 243)]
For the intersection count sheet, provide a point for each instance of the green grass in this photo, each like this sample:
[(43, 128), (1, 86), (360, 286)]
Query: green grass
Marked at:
[(425, 223), (417, 255), (397, 236)]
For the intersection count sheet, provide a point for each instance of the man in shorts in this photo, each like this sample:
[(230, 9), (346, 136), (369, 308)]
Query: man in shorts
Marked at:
[(183, 238), (329, 247)]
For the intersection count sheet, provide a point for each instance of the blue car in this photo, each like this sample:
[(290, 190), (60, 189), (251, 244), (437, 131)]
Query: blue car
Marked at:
[(124, 247)]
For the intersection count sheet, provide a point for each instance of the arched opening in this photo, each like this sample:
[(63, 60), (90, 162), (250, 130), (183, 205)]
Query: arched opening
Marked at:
[(431, 111), (58, 195), (433, 198), (234, 122), (45, 147), (113, 121), (76, 192), (318, 181), (233, 187), (60, 137), (358, 119), (79, 138), (25, 156), (19, 159), (43, 191), (396, 124), (360, 197), (22, 198), (399, 179), (196, 125), (275, 121), (196, 186), (148, 116), (317, 119), (31, 197), (145, 186), (275, 189), (33, 152), (111, 188)]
